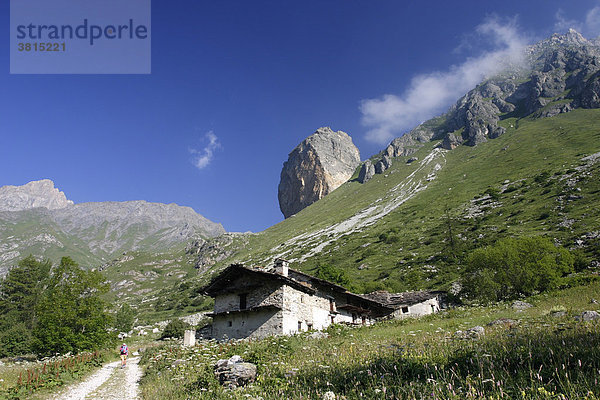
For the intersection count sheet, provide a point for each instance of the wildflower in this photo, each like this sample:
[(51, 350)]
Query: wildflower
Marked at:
[(329, 395)]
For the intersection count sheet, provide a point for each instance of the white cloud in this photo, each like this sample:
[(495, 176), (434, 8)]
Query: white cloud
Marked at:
[(563, 24), (592, 22), (589, 27), (204, 157), (430, 94)]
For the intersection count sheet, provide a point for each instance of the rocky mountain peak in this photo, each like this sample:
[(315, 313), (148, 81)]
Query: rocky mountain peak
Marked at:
[(562, 74), (34, 194), (571, 37), (316, 167)]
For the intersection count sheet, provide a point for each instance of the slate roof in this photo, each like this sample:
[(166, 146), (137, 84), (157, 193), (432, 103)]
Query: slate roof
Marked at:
[(221, 282), (296, 279), (397, 300)]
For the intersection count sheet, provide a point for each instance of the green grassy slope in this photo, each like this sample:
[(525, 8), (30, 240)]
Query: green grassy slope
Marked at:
[(530, 172), (158, 286)]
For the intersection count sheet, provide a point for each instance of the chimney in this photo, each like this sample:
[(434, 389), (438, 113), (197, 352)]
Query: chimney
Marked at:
[(281, 266)]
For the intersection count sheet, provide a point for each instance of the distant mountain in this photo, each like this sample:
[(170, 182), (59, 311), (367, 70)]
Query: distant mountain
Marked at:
[(37, 219), (32, 195)]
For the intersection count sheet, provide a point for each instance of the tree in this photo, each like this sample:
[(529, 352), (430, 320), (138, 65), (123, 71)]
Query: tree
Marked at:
[(71, 315), (124, 318), (515, 267), (19, 293), (20, 290), (175, 329)]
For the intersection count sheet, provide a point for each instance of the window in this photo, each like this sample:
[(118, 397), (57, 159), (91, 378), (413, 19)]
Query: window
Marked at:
[(229, 323), (243, 300), (301, 299), (354, 317), (299, 326), (331, 305), (364, 320), (432, 308), (310, 326), (333, 319), (404, 310)]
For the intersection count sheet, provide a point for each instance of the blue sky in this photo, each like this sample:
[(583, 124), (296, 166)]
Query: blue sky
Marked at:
[(236, 85)]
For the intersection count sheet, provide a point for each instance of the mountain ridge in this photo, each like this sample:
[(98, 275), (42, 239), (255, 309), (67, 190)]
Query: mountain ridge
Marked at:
[(38, 216), (561, 73)]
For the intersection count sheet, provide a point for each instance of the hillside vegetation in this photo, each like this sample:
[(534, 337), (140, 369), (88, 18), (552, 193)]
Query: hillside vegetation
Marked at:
[(412, 227)]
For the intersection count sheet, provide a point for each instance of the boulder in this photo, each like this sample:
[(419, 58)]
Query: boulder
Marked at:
[(471, 333), (588, 316), (316, 167), (234, 372), (521, 305), (558, 314), (476, 331)]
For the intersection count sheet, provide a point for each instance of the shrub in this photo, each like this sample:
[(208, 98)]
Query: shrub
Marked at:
[(332, 274), (493, 193), (16, 340), (175, 329), (542, 178), (124, 318), (512, 268)]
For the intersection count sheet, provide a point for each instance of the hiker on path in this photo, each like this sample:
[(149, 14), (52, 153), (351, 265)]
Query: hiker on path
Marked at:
[(124, 353)]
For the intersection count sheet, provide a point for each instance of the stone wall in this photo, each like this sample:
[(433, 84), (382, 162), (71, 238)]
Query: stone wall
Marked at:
[(257, 294), (424, 308), (255, 324), (302, 311)]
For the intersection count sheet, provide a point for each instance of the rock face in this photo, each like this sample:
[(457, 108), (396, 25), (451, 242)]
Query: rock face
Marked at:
[(316, 167), (366, 172), (558, 75), (32, 195)]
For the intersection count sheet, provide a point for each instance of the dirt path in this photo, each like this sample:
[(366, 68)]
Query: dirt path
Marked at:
[(111, 382)]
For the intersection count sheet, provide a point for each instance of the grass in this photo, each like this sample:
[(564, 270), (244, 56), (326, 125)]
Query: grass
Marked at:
[(539, 357), (35, 380)]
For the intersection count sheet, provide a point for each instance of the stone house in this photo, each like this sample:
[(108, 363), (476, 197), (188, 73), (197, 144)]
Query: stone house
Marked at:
[(252, 302), (409, 304)]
